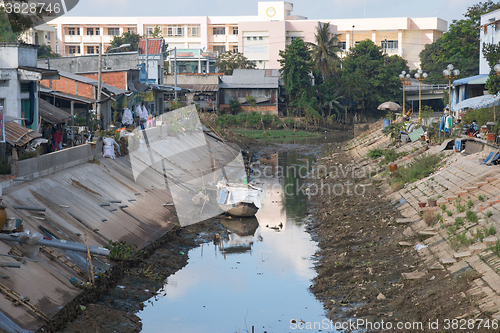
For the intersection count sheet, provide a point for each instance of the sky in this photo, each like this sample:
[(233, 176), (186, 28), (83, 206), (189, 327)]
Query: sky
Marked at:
[(448, 10)]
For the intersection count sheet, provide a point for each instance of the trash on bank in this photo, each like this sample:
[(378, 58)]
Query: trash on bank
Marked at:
[(419, 247)]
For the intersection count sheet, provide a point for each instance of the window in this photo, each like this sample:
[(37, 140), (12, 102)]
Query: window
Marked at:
[(97, 31), (235, 49), (90, 31), (149, 31), (47, 36), (219, 48), (92, 49), (342, 45), (294, 38), (131, 30), (113, 31), (261, 38), (254, 37), (73, 31), (74, 49), (177, 31), (193, 31), (249, 38), (219, 30), (235, 30), (389, 45)]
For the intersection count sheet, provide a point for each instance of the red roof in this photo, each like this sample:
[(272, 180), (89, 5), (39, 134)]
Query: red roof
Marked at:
[(155, 46)]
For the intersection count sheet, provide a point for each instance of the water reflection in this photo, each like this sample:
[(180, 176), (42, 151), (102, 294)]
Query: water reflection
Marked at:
[(263, 276)]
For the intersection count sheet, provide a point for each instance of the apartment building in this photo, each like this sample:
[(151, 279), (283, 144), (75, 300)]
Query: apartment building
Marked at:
[(198, 39), (489, 34)]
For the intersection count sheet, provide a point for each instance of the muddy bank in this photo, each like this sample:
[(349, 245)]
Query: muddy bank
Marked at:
[(361, 261), (120, 293)]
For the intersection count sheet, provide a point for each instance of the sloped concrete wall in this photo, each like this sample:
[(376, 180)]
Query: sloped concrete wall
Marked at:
[(59, 160)]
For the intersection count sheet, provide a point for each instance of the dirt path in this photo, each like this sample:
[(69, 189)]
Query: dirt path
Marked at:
[(360, 260)]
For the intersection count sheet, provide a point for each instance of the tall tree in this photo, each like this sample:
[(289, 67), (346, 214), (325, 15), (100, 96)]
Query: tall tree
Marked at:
[(126, 38), (296, 66), (368, 79), (458, 46), (324, 50), (227, 62)]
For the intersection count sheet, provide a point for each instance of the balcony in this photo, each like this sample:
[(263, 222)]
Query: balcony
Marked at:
[(72, 38), (91, 39)]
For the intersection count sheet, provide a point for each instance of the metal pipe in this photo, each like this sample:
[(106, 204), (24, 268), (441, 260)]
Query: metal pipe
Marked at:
[(60, 244), (40, 209)]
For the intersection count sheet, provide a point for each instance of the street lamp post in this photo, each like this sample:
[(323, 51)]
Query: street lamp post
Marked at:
[(420, 76), (403, 77), (450, 73)]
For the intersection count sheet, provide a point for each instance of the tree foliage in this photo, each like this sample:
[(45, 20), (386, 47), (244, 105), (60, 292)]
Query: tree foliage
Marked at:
[(126, 38), (45, 51), (459, 46), (324, 51), (296, 65), (227, 62), (7, 35), (368, 77)]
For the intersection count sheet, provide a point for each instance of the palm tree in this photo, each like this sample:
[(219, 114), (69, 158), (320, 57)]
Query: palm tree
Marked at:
[(324, 52)]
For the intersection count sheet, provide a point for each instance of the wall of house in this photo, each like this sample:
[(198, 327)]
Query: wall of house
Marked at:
[(90, 63), (71, 87), (115, 79)]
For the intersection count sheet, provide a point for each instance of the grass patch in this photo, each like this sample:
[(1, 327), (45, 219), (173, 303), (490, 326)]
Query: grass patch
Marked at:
[(470, 204), (421, 167), (489, 213), (259, 134), (443, 207), (375, 153), (481, 198), (449, 212), (471, 216)]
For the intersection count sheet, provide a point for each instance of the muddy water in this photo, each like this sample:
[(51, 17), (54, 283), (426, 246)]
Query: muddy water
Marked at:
[(258, 276)]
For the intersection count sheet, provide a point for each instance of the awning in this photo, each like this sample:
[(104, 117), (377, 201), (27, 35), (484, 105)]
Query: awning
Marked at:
[(476, 79), (165, 88), (16, 135), (479, 102), (52, 114), (200, 87), (43, 73)]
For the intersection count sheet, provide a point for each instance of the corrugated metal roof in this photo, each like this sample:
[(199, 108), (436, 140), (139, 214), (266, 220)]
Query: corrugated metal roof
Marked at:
[(251, 78), (155, 46), (200, 87), (481, 79), (17, 135), (46, 73), (51, 113)]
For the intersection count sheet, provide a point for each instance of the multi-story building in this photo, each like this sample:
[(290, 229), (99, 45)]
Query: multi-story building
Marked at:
[(489, 34), (259, 38)]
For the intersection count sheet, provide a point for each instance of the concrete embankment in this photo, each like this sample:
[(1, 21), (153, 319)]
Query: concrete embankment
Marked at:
[(98, 200), (460, 240)]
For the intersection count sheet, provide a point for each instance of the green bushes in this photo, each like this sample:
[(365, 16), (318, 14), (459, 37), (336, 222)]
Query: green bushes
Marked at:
[(375, 153), (255, 120), (420, 168)]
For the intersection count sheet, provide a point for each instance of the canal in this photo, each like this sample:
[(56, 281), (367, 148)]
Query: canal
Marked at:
[(257, 278)]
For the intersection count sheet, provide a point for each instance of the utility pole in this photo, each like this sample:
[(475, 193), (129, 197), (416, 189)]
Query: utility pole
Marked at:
[(147, 61), (99, 88), (175, 72)]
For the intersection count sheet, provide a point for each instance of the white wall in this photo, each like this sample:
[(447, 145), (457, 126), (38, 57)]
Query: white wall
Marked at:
[(489, 34)]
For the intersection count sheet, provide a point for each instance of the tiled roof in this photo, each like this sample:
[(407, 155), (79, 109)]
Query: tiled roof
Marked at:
[(155, 46)]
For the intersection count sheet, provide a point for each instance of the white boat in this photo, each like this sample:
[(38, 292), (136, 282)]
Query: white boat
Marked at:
[(238, 199)]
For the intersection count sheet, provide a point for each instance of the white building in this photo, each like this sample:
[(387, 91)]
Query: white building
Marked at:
[(259, 37), (489, 34), (19, 78)]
